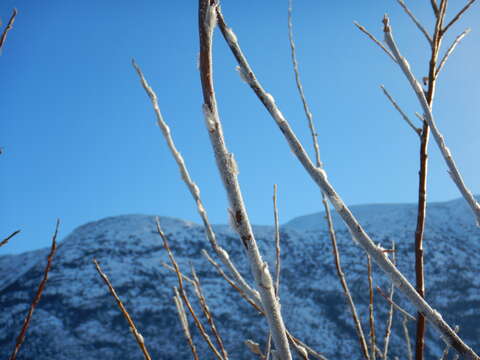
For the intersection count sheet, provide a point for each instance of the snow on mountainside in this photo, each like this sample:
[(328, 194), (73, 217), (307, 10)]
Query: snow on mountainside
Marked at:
[(77, 318)]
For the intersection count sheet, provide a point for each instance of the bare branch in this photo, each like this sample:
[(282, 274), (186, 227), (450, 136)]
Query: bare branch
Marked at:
[(418, 131), (7, 29), (457, 17), (388, 328), (434, 6), (395, 305), (38, 295), (447, 346), (407, 338), (417, 23), (439, 139), (277, 242), (183, 294), (208, 313), (133, 329), (374, 39), (229, 172), (450, 50), (4, 241), (183, 320), (373, 343), (306, 108)]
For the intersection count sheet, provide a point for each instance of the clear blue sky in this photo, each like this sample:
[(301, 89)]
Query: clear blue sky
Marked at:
[(79, 136)]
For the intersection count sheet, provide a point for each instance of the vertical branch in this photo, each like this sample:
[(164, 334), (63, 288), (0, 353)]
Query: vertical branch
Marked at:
[(183, 320), (390, 313), (133, 328), (38, 295), (277, 242), (208, 313), (328, 216), (7, 29), (370, 308), (228, 171), (184, 296)]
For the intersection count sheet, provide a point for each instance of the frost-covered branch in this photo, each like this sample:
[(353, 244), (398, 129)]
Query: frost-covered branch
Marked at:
[(439, 139), (319, 176), (228, 170), (183, 320), (450, 50), (374, 39), (402, 113)]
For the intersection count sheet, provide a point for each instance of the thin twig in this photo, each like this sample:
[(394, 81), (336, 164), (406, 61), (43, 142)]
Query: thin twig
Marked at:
[(415, 20), (450, 50), (183, 320), (306, 108), (208, 314), (183, 293), (328, 216), (4, 241), (439, 139), (133, 329), (434, 6), (447, 346), (407, 338), (395, 305), (319, 176), (374, 39), (38, 295), (388, 328), (7, 28), (418, 131), (277, 242), (373, 342), (457, 17)]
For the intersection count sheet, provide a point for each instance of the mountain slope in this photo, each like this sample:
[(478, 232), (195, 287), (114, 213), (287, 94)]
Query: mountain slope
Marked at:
[(77, 318)]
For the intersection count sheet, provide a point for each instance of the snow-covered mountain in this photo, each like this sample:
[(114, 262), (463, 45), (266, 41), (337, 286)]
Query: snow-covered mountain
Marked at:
[(78, 319)]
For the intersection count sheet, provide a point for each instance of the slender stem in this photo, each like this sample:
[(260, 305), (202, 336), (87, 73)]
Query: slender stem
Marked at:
[(38, 295), (7, 29), (4, 241), (133, 328), (373, 342)]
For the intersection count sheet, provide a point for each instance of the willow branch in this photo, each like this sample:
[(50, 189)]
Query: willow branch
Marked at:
[(38, 295)]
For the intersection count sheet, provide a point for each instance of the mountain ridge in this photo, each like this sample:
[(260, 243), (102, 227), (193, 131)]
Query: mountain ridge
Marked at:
[(77, 317)]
